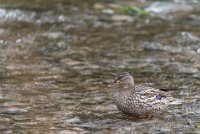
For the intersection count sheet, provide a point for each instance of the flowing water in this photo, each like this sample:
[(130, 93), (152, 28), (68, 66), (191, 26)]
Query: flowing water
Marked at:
[(59, 57)]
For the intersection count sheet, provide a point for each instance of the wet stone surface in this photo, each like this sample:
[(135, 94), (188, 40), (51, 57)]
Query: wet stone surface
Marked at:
[(59, 59)]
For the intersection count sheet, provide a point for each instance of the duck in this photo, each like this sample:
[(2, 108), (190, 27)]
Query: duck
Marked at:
[(140, 100)]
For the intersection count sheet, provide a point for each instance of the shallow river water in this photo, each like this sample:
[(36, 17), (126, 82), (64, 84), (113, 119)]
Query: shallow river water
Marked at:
[(59, 57)]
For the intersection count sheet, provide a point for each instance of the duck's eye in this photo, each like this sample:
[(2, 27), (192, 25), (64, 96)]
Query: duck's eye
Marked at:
[(118, 82)]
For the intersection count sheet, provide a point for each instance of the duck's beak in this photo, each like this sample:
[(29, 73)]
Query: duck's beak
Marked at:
[(112, 84)]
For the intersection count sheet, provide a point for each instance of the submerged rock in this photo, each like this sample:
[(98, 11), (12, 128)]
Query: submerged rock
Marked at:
[(168, 7)]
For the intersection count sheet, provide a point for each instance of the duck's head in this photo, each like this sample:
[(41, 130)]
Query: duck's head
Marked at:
[(124, 80)]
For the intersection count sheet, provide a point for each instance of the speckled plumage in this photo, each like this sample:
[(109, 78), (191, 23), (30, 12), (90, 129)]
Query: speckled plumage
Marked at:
[(139, 100)]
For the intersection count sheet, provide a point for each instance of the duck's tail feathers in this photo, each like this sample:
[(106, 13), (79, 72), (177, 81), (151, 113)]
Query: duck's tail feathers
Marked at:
[(176, 101)]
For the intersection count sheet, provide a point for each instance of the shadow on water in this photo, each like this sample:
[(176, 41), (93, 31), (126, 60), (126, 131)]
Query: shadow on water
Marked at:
[(58, 60)]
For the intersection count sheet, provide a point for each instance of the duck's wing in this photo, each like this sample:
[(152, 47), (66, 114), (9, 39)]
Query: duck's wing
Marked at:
[(150, 92), (154, 98)]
